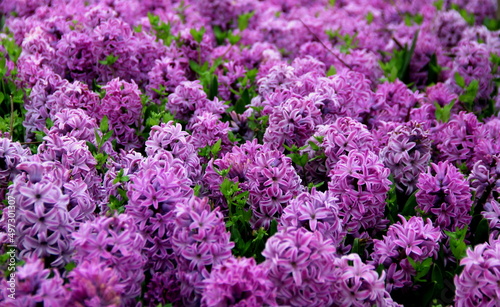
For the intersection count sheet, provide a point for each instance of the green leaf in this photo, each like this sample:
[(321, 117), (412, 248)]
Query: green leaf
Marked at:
[(443, 113), (404, 71), (240, 106), (409, 207), (216, 147), (110, 60), (437, 276), (459, 80), (457, 243), (70, 266), (244, 19), (198, 34), (492, 24), (439, 4), (369, 17), (331, 71), (233, 39), (107, 136), (220, 36), (482, 232), (104, 126)]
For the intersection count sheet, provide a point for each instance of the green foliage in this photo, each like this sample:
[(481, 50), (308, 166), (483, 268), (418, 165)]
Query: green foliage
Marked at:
[(443, 113), (346, 42), (248, 242), (468, 17), (298, 158), (207, 77), (369, 17), (110, 60), (410, 19), (244, 19), (210, 151), (492, 24), (12, 112), (439, 4), (433, 70), (398, 65), (198, 34), (162, 31), (457, 243), (421, 268), (153, 113), (331, 71)]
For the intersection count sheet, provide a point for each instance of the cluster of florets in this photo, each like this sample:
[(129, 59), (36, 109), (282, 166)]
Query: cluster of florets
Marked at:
[(154, 193), (407, 154), (301, 263), (406, 239), (477, 285), (361, 183), (238, 282), (445, 196), (200, 242), (332, 141), (315, 211), (113, 242)]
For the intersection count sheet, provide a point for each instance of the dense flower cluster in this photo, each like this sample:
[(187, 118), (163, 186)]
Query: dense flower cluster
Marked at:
[(407, 154), (249, 153), (361, 183), (406, 239), (445, 196), (478, 283), (238, 282)]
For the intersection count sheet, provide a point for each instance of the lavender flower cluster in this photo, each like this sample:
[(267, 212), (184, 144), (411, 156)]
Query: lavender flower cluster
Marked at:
[(250, 153)]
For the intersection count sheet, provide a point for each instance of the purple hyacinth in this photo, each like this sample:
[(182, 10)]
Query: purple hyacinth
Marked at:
[(122, 105), (477, 285), (393, 102), (35, 285), (200, 242), (315, 211), (115, 242), (492, 215), (167, 73), (75, 123), (238, 161), (445, 196), (154, 192), (95, 284), (352, 92), (361, 183), (170, 137), (206, 129), (76, 95), (414, 238), (485, 178), (272, 182), (334, 140), (472, 62), (189, 98), (359, 284), (458, 139), (407, 154), (292, 123), (163, 288), (300, 263), (44, 225), (11, 154), (238, 282), (448, 26)]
